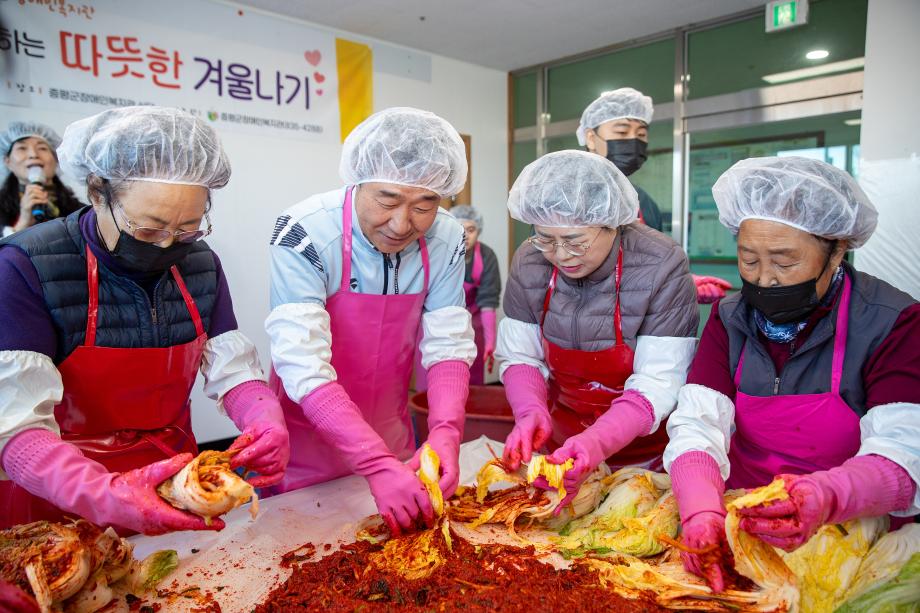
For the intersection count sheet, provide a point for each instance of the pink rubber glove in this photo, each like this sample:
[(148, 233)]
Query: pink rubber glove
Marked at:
[(864, 486), (400, 496), (526, 393), (710, 289), (629, 416), (264, 442), (47, 467), (698, 487), (489, 334), (448, 389)]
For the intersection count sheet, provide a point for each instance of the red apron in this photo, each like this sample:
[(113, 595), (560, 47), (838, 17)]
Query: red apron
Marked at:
[(583, 384), (477, 370), (373, 344), (124, 408), (794, 433)]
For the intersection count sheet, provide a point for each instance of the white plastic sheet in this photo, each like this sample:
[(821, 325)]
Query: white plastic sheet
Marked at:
[(893, 252), (239, 566)]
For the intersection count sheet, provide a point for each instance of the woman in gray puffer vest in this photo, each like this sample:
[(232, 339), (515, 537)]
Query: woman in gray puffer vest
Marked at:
[(601, 307)]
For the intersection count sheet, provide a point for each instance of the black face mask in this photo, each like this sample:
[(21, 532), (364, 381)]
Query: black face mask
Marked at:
[(146, 258), (784, 303), (627, 154)]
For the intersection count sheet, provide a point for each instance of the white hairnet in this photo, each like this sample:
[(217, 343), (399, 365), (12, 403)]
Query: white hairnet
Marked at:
[(806, 194), (145, 143), (623, 103), (18, 130), (466, 212), (573, 189), (405, 146)]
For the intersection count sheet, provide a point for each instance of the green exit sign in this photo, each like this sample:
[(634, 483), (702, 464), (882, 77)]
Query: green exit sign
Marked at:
[(783, 14)]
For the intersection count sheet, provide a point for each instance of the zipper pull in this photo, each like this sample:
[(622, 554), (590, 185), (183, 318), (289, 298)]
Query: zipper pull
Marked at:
[(775, 386), (153, 314), (386, 275)]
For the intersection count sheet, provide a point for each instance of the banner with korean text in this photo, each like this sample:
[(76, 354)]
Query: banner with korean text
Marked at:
[(240, 70)]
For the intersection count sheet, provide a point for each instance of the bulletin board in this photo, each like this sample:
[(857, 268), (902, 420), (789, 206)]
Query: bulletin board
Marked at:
[(707, 237)]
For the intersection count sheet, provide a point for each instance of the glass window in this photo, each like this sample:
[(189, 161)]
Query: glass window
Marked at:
[(711, 247), (522, 155), (649, 68), (525, 100), (742, 55), (654, 176)]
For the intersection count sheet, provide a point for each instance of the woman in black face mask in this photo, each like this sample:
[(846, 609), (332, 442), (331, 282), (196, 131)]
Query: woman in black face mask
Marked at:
[(616, 126), (132, 225), (117, 308), (811, 373)]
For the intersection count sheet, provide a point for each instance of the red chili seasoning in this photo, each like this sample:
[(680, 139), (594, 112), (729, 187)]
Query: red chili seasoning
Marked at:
[(473, 578), (304, 552), (716, 555)]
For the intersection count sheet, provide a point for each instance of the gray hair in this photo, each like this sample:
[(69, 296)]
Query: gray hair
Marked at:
[(467, 212)]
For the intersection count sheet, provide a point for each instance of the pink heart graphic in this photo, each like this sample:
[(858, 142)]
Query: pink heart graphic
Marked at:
[(319, 92), (313, 57), (320, 77)]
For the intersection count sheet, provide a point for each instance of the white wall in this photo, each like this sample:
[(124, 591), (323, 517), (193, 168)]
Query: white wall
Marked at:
[(890, 142), (270, 174), (474, 100), (891, 91)]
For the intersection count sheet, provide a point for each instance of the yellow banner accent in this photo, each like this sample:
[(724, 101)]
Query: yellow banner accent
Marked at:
[(355, 64)]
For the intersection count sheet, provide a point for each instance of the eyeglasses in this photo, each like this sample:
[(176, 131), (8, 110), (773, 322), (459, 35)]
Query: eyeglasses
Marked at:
[(576, 249), (158, 235)]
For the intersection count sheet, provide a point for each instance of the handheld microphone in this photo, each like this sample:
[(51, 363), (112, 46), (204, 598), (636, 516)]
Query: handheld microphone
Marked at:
[(37, 177)]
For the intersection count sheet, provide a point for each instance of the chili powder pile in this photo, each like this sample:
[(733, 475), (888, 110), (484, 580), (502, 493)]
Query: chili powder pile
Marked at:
[(474, 578)]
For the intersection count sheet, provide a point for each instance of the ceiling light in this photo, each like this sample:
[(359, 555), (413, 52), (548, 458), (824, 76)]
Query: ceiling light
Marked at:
[(815, 71), (853, 122), (817, 54)]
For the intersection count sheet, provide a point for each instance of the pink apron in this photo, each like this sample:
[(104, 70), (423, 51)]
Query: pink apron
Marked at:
[(477, 370), (797, 433), (373, 344)]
